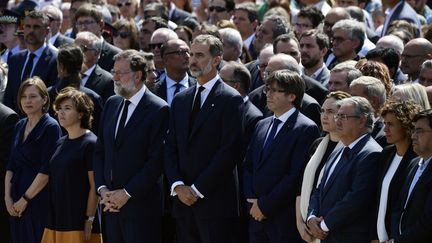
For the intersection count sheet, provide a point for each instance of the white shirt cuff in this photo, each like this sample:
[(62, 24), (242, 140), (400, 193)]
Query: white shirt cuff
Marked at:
[(127, 193), (100, 188), (311, 216), (324, 226), (174, 185), (197, 192)]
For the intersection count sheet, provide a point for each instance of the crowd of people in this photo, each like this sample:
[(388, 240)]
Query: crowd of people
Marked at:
[(216, 121)]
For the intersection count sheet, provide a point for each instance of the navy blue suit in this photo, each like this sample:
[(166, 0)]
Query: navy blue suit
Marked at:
[(106, 59), (179, 15), (100, 81), (133, 161), (346, 202), (205, 156), (403, 12), (160, 87), (273, 179), (46, 69)]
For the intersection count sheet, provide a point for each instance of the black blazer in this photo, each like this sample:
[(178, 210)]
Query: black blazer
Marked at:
[(415, 219), (345, 201), (46, 69), (101, 82), (61, 40), (134, 160), (378, 133), (396, 183), (315, 89), (108, 52), (256, 80), (160, 87), (179, 15), (251, 115), (206, 154)]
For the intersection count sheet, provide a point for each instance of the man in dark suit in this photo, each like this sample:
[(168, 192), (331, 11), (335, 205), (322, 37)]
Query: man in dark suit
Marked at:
[(38, 60), (175, 54), (176, 15), (257, 67), (202, 149), (89, 18), (338, 211), (400, 10), (55, 16), (93, 76), (128, 155), (410, 222), (8, 119), (275, 159)]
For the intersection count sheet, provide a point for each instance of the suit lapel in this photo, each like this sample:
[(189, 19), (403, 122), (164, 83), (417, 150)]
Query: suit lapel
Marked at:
[(163, 89), (93, 79), (420, 181), (43, 60)]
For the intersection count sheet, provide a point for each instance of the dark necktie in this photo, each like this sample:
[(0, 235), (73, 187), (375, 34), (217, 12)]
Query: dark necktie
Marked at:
[(9, 55), (29, 66), (196, 107), (270, 137), (327, 171), (177, 89), (123, 118)]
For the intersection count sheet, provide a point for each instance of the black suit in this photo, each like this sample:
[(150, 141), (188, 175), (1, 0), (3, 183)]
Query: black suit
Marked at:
[(256, 80), (412, 223), (205, 156), (61, 40), (309, 107), (106, 59), (8, 119), (251, 115), (46, 69), (315, 89), (133, 161), (160, 87), (101, 82), (378, 133), (179, 15)]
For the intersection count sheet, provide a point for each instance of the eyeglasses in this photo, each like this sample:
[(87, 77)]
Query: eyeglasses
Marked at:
[(120, 73), (218, 9), (86, 23), (85, 48), (344, 117), (419, 131), (268, 89), (178, 53), (154, 45), (124, 4), (338, 40), (122, 35)]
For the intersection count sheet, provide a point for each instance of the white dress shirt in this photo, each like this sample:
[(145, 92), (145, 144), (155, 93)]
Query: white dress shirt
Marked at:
[(171, 86), (87, 75)]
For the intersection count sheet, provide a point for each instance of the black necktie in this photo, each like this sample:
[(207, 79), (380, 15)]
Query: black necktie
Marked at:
[(123, 118), (327, 170), (196, 107), (9, 55), (29, 66), (270, 137), (177, 89)]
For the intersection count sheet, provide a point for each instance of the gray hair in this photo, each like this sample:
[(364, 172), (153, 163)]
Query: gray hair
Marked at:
[(391, 41), (214, 43), (280, 25), (288, 62), (414, 91), (372, 87), (54, 11), (354, 29), (232, 37), (137, 61), (95, 42), (362, 108), (349, 68)]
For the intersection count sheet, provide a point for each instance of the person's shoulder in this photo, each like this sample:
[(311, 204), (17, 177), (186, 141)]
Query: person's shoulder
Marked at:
[(155, 100)]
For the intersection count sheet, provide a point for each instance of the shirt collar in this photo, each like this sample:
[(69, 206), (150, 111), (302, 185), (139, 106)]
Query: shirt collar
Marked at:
[(171, 82), (245, 99), (356, 141), (39, 51), (284, 117), (53, 38), (90, 70), (135, 99), (209, 85)]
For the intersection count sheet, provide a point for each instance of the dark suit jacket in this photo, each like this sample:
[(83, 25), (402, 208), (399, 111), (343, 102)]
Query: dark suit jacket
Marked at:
[(273, 179), (101, 82), (378, 133), (403, 12), (160, 87), (61, 40), (309, 107), (179, 15), (346, 202), (415, 219), (206, 155), (315, 89), (46, 69), (108, 52), (324, 77), (133, 160), (393, 201), (251, 115), (256, 80)]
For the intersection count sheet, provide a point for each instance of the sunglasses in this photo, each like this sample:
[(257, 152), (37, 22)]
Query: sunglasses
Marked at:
[(124, 4), (217, 8), (153, 46), (122, 35)]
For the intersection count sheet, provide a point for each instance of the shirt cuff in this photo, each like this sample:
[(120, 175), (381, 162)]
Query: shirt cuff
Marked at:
[(127, 193), (311, 216), (174, 185), (100, 188), (197, 192), (324, 226)]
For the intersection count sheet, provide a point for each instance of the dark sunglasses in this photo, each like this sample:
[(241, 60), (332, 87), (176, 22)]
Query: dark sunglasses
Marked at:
[(217, 8), (124, 4), (122, 35), (153, 46), (178, 52)]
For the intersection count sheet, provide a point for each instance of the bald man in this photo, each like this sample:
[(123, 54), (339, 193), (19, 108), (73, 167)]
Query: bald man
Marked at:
[(333, 16), (414, 54), (391, 41)]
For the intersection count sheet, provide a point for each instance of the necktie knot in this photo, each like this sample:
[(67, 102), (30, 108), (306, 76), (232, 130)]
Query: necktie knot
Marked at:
[(276, 122), (200, 89), (177, 88), (346, 151)]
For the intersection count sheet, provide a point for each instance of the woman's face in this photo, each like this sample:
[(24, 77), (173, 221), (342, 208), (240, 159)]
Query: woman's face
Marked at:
[(32, 101), (121, 39), (393, 129), (68, 115), (328, 110), (128, 8)]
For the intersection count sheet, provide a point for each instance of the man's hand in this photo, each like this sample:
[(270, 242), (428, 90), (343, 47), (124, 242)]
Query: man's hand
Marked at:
[(186, 194), (105, 195), (315, 228), (305, 233), (255, 211), (118, 199)]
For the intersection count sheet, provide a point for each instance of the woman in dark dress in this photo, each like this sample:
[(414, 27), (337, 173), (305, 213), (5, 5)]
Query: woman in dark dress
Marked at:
[(33, 144), (73, 199), (321, 150)]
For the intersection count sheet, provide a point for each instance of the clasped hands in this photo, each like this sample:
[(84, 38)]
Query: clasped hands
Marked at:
[(315, 229), (16, 209), (255, 211), (113, 200), (186, 194)]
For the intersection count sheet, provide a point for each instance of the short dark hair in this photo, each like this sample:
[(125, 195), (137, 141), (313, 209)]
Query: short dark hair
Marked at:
[(137, 61), (214, 43), (71, 57), (158, 22), (88, 10), (291, 82), (280, 25), (37, 14), (82, 103), (229, 5), (284, 38), (40, 86), (321, 39), (241, 75), (424, 114), (131, 28), (389, 56), (313, 14), (251, 10)]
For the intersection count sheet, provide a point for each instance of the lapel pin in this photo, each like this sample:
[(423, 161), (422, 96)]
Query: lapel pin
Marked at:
[(212, 105)]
